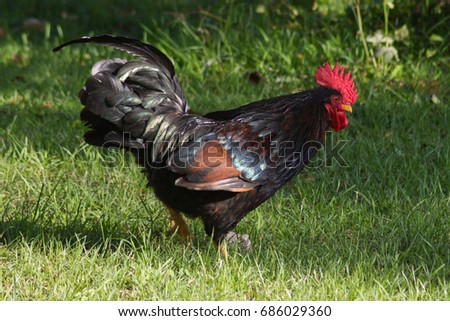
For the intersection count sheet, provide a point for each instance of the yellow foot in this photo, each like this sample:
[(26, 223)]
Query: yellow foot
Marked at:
[(178, 225), (221, 247)]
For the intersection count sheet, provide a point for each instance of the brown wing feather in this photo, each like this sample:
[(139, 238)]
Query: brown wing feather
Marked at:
[(212, 170)]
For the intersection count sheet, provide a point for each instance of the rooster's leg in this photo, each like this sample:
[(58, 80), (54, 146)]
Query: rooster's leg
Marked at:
[(232, 239), (178, 225)]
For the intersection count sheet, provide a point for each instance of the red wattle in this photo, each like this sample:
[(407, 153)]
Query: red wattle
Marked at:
[(338, 119)]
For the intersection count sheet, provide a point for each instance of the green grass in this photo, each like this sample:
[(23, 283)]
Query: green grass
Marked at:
[(77, 223)]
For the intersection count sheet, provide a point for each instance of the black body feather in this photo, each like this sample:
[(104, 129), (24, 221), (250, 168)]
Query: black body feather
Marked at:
[(139, 106)]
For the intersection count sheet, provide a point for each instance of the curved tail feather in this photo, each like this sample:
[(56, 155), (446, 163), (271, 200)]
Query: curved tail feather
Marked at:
[(122, 97), (134, 47)]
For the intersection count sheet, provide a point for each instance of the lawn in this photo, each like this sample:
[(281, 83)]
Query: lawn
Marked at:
[(77, 223)]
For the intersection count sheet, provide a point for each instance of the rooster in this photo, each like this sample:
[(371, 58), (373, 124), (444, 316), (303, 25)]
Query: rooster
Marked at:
[(217, 167)]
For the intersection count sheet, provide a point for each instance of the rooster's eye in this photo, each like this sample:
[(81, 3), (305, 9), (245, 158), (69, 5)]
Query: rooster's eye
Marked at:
[(335, 99)]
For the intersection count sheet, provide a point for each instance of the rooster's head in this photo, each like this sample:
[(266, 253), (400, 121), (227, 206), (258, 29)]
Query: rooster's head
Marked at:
[(337, 104)]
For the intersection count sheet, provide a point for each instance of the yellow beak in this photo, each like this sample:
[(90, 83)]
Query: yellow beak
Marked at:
[(346, 108)]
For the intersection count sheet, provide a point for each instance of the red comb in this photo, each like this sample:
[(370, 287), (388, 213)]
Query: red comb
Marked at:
[(336, 79)]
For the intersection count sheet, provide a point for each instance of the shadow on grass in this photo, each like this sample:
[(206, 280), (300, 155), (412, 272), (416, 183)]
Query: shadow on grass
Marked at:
[(30, 224)]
